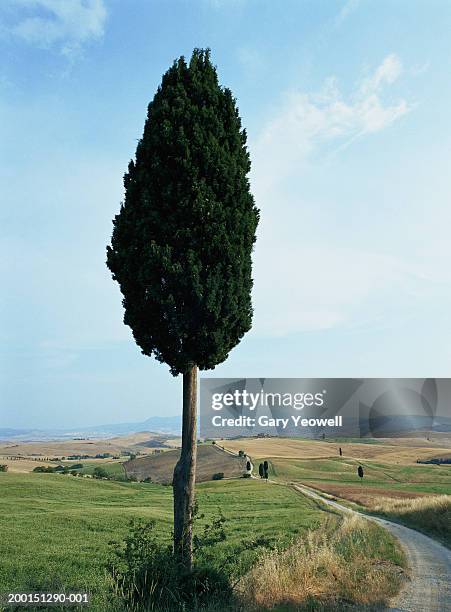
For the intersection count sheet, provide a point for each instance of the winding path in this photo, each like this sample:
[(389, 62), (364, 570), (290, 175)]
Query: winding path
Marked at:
[(429, 587)]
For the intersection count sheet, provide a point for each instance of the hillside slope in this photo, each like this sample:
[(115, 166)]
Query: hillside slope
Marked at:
[(210, 460)]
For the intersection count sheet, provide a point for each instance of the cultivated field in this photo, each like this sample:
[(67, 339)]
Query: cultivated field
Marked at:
[(25, 456), (404, 451), (210, 460), (58, 538), (56, 529), (394, 484)]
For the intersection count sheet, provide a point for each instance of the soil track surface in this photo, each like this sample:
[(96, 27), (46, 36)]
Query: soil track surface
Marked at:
[(429, 586)]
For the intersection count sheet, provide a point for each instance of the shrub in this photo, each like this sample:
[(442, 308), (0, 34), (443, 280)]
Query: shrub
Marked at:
[(44, 468), (218, 476), (147, 576), (241, 453), (100, 472), (3, 467), (246, 475)]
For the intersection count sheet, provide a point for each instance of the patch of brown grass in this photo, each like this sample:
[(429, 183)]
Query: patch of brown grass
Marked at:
[(365, 496), (431, 514), (357, 563)]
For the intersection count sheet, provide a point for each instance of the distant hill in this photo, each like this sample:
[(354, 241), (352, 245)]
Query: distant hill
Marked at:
[(157, 424), (210, 460)]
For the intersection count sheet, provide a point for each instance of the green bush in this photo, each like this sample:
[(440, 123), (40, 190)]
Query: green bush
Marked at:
[(246, 475), (3, 467), (147, 576), (45, 469), (100, 472), (218, 476)]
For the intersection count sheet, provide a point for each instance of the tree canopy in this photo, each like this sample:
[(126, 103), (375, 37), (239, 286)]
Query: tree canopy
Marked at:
[(182, 242)]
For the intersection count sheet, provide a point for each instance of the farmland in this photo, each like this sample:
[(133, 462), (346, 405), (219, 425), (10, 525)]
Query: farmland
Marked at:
[(56, 528), (210, 460), (59, 538)]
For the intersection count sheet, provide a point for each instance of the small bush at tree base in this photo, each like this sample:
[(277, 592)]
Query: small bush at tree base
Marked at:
[(3, 467), (218, 476), (246, 475), (148, 576)]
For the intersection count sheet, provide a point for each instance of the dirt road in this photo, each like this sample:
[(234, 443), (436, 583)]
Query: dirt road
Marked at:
[(429, 587)]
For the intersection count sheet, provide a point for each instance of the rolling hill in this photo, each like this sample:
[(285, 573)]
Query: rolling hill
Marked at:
[(210, 460)]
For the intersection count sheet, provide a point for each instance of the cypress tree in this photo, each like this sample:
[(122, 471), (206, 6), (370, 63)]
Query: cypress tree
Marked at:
[(182, 243)]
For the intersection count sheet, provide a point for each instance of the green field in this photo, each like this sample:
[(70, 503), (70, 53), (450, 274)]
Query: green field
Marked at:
[(434, 479), (114, 469), (56, 529)]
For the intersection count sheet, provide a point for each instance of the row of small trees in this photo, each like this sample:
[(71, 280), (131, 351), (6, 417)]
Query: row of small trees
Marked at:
[(263, 470)]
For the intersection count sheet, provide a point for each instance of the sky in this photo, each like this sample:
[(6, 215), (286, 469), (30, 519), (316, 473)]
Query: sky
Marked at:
[(346, 104)]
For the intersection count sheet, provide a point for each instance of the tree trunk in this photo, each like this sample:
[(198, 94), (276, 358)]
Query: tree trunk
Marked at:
[(185, 473)]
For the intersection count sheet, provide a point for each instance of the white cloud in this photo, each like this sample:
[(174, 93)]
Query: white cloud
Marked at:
[(386, 73), (310, 122), (64, 23), (308, 263), (348, 7)]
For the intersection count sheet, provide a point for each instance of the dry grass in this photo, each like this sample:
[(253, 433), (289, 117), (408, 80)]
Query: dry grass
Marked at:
[(210, 460), (397, 450), (430, 514), (367, 496), (359, 563)]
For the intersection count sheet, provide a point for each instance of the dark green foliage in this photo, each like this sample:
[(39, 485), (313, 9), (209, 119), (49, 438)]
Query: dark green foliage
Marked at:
[(147, 576), (261, 470), (218, 476), (182, 242), (3, 467), (100, 472), (45, 469)]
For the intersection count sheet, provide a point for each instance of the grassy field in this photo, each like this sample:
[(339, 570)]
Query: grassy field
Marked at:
[(350, 560), (114, 469), (56, 529), (341, 473)]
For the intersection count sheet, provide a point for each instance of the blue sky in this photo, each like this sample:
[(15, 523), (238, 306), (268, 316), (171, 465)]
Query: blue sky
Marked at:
[(346, 104)]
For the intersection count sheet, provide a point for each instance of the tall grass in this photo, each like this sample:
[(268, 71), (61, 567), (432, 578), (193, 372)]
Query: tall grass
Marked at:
[(432, 515), (355, 563)]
